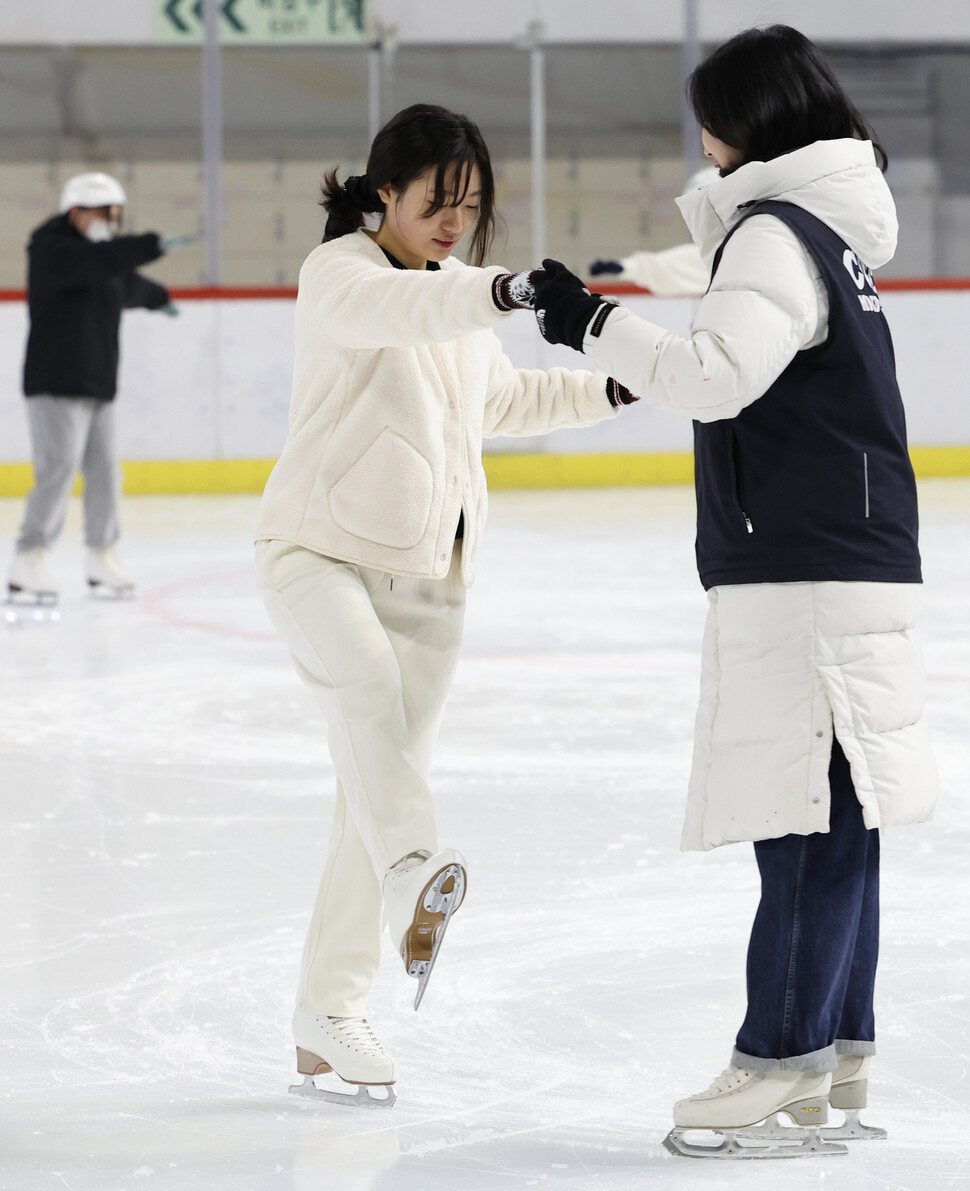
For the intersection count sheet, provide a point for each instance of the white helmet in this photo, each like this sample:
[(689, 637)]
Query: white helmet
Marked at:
[(92, 190)]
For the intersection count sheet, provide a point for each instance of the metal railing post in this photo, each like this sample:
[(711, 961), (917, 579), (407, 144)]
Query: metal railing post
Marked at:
[(532, 41), (212, 142), (693, 151)]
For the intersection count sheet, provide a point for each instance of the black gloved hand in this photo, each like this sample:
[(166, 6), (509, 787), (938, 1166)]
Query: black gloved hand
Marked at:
[(565, 309), (514, 291), (598, 267)]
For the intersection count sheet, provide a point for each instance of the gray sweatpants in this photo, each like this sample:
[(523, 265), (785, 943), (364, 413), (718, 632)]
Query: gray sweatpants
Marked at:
[(67, 435)]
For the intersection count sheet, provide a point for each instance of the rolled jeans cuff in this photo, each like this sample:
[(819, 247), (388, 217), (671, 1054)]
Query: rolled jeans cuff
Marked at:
[(844, 1046), (826, 1059)]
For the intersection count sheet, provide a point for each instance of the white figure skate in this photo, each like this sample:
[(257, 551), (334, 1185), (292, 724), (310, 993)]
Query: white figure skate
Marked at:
[(421, 892), (347, 1047), (106, 576), (739, 1099), (850, 1082), (32, 591)]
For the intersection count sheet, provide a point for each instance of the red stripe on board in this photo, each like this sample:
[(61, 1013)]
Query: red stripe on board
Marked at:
[(923, 283), (882, 283), (198, 293), (222, 293), (211, 293)]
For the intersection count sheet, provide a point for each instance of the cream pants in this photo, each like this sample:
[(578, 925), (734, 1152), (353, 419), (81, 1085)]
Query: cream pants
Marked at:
[(379, 653)]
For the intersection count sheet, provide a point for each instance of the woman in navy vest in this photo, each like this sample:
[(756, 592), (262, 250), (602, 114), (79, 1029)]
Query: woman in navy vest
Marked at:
[(808, 739)]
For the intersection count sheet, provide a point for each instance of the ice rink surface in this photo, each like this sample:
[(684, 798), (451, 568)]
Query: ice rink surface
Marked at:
[(165, 800)]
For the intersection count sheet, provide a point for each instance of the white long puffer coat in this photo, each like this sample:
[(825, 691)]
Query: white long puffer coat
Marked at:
[(785, 665)]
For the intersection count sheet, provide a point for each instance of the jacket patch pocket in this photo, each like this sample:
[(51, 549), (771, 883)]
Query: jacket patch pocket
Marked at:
[(386, 496)]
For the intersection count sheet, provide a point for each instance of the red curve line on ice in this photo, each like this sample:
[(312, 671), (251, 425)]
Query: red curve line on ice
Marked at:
[(154, 604)]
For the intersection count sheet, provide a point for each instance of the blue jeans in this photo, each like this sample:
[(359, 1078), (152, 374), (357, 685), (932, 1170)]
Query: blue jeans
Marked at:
[(814, 943)]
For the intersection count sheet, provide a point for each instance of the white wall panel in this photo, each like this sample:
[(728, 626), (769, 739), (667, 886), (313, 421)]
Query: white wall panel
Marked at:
[(14, 446), (169, 384), (929, 330), (214, 383)]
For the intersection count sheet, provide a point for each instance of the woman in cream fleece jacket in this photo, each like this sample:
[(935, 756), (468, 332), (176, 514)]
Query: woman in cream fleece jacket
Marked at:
[(367, 536)]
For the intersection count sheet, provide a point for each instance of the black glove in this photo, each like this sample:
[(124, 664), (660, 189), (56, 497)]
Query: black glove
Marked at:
[(514, 291), (565, 309), (598, 267)]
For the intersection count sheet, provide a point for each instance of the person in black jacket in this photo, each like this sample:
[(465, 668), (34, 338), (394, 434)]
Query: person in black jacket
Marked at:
[(81, 275)]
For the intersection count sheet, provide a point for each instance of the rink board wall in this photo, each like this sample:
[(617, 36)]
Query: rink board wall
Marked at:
[(203, 397)]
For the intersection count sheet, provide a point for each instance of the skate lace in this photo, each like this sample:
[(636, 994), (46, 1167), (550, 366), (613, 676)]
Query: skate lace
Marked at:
[(728, 1079), (398, 873), (357, 1033)]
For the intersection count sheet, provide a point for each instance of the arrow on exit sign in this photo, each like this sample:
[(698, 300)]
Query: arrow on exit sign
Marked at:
[(178, 16), (266, 22)]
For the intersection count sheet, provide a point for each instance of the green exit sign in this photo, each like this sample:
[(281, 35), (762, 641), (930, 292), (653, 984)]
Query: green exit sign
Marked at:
[(265, 22)]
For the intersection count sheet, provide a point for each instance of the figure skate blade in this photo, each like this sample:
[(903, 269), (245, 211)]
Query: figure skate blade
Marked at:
[(362, 1098), (851, 1129), (440, 900), (27, 607), (108, 591), (737, 1145)]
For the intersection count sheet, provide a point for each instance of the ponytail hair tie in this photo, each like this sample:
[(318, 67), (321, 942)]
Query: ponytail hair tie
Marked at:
[(363, 196)]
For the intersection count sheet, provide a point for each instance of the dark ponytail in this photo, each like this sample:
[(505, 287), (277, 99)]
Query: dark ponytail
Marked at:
[(769, 91), (419, 138), (346, 204)]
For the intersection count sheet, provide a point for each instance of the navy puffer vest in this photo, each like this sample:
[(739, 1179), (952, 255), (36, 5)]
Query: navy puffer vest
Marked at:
[(813, 480)]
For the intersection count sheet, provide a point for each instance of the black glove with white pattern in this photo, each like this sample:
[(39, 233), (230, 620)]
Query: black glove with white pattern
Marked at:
[(565, 309), (514, 291)]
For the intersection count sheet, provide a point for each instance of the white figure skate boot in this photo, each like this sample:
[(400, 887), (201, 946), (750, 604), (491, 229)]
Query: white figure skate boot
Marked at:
[(348, 1047), (850, 1085), (850, 1082), (738, 1099), (106, 575), (421, 892), (29, 580), (31, 589)]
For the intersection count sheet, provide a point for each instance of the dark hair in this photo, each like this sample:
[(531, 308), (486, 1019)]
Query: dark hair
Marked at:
[(422, 137), (769, 91)]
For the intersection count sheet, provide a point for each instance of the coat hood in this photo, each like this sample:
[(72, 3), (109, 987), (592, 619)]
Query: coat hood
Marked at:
[(838, 182), (57, 225)]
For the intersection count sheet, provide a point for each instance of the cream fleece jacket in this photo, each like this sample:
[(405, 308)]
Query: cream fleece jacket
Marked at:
[(397, 379)]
